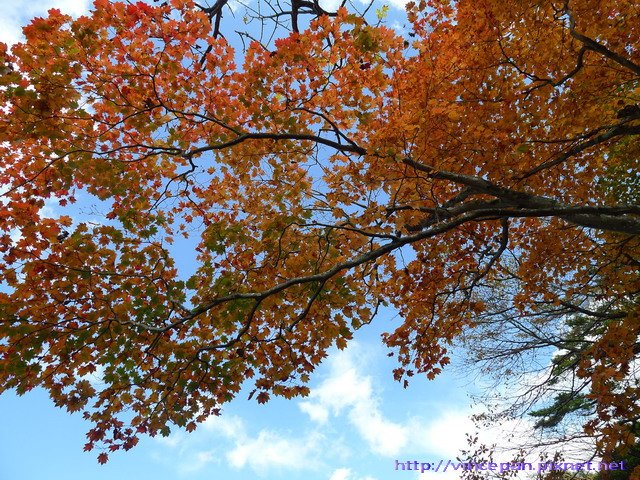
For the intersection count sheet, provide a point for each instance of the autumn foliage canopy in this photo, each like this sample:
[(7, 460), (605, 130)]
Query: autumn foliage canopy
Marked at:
[(341, 168)]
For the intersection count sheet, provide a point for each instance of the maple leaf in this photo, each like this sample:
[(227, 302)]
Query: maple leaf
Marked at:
[(263, 397)]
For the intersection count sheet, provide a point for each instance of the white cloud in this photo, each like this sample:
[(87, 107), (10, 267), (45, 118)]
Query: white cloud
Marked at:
[(439, 476), (269, 450), (445, 435), (197, 462), (70, 7), (383, 436), (345, 389), (172, 440), (229, 426), (330, 5), (316, 411), (442, 433), (401, 4), (96, 378), (340, 474), (16, 13), (345, 474)]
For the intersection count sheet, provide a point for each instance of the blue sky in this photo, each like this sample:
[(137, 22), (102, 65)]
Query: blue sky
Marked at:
[(354, 426)]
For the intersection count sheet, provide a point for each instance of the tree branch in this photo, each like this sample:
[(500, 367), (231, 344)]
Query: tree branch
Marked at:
[(276, 136), (613, 219)]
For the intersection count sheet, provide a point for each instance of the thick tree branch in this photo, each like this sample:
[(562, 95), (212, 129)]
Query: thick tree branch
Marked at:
[(615, 219), (601, 49)]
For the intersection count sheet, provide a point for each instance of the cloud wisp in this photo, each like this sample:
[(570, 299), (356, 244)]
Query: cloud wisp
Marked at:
[(15, 14)]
